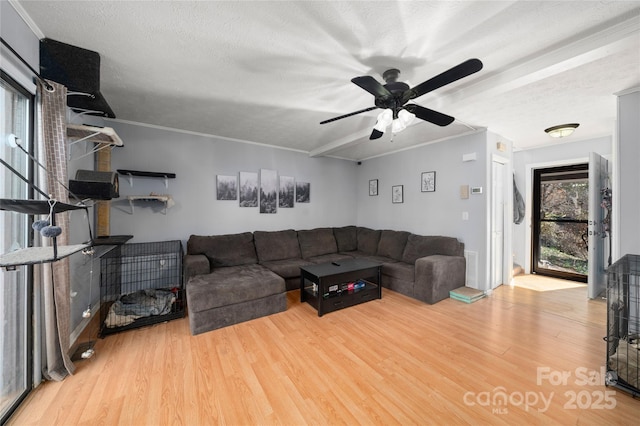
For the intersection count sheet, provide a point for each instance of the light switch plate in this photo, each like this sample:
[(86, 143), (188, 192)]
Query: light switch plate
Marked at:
[(464, 192)]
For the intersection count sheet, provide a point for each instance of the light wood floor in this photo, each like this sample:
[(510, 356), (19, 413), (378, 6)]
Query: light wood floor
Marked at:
[(389, 361)]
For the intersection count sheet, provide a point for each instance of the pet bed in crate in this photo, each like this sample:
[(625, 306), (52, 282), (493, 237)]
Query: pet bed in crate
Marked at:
[(139, 304)]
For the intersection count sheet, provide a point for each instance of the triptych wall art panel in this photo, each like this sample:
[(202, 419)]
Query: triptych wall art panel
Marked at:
[(268, 191), (227, 187), (303, 192), (248, 189), (285, 194), (265, 190)]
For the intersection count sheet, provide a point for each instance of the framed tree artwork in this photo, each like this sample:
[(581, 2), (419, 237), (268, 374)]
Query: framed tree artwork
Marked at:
[(428, 182), (303, 192), (286, 192), (227, 187), (397, 194), (268, 191), (373, 187), (248, 189)]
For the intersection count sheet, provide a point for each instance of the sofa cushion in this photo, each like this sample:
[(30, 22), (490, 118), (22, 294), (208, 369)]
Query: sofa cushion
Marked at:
[(229, 286), (420, 246), (392, 244), (276, 245), (316, 242), (368, 240), (346, 238), (330, 257), (371, 257), (399, 270), (286, 268), (224, 250)]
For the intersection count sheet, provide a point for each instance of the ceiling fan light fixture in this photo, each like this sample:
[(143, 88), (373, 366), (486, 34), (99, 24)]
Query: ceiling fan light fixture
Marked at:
[(384, 119), (406, 117), (398, 125), (562, 130)]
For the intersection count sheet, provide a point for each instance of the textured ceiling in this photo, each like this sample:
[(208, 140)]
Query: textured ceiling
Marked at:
[(270, 71)]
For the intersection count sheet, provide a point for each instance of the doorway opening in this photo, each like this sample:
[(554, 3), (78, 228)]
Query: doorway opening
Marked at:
[(560, 222)]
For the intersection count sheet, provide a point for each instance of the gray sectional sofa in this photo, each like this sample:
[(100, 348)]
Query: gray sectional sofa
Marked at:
[(238, 277)]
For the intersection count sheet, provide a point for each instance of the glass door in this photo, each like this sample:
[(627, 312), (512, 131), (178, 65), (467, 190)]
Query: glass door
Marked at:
[(15, 285), (560, 222)]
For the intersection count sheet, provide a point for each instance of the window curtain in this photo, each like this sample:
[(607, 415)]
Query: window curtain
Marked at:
[(52, 108)]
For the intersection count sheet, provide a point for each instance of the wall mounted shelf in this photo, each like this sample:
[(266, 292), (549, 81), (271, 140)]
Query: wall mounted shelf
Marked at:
[(104, 137), (166, 199), (131, 173)]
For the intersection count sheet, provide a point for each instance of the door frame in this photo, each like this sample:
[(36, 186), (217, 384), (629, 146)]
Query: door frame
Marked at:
[(570, 169), (528, 206), (507, 235)]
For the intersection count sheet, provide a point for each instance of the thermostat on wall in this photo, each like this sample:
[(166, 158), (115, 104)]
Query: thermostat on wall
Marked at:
[(476, 190)]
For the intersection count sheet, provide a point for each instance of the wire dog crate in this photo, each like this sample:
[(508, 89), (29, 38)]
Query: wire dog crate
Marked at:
[(141, 284), (623, 324)]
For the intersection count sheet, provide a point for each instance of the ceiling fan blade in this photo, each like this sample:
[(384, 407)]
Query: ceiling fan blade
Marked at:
[(372, 86), (348, 115), (453, 74), (430, 115)]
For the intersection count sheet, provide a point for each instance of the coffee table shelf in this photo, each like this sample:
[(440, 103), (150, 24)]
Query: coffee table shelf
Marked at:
[(326, 286)]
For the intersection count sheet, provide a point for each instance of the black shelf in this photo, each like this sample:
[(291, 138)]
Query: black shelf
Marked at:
[(36, 255), (147, 174), (36, 207), (342, 292), (111, 240)]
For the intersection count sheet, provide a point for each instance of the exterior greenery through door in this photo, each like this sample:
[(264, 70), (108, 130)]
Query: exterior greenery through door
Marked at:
[(561, 197)]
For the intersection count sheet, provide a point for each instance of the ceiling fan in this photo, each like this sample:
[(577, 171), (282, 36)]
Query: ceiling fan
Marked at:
[(394, 95)]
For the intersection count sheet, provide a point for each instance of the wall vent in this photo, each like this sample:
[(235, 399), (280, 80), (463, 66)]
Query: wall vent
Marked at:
[(472, 268)]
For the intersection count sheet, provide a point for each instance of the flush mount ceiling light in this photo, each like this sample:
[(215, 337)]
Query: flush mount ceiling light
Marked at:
[(561, 130)]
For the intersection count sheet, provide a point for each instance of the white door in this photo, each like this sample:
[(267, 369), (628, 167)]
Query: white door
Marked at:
[(497, 224), (598, 240)]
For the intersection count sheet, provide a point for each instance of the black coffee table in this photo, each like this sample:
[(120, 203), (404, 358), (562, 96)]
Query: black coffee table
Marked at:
[(332, 286)]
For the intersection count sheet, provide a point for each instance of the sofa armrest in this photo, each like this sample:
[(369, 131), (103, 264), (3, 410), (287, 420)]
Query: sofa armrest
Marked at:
[(437, 275), (195, 264)]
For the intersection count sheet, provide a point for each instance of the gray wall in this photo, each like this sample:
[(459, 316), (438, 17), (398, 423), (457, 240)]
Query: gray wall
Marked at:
[(629, 174), (431, 213), (549, 156), (339, 188), (196, 160)]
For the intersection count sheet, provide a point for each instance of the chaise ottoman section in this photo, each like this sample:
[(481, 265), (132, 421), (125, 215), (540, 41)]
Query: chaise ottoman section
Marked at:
[(233, 294)]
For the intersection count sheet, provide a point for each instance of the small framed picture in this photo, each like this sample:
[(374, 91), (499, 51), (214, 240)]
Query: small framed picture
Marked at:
[(373, 187), (428, 182), (397, 194)]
